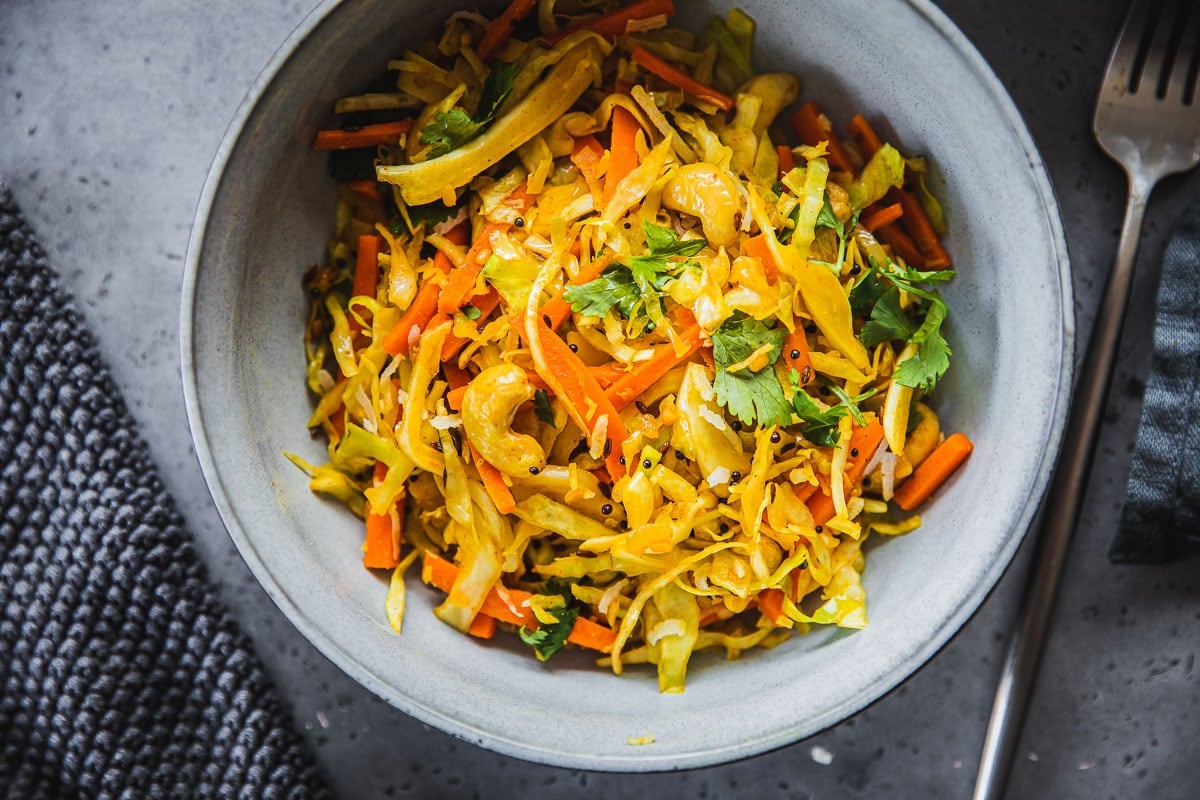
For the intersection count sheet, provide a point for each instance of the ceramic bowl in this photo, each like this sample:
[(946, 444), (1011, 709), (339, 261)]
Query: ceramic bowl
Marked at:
[(265, 214)]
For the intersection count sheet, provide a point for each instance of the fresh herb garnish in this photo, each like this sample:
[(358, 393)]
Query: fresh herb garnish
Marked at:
[(889, 322), (430, 214), (471, 312), (634, 286), (754, 396), (541, 406), (451, 129), (548, 639), (820, 425)]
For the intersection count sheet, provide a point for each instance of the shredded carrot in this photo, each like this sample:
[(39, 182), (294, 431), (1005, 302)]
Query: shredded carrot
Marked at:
[(756, 247), (863, 135), (625, 390), (807, 124), (863, 443), (366, 136), (494, 483), (512, 605), (901, 244), (653, 64), (424, 306), (614, 24), (585, 399), (486, 303), (379, 551), (795, 354), (587, 154), (883, 216), (454, 397), (770, 603), (366, 266), (461, 284), (787, 161), (921, 231), (933, 471), (366, 188), (482, 627), (623, 157), (500, 29)]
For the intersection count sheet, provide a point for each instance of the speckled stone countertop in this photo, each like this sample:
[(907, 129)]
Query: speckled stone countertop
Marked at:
[(110, 114)]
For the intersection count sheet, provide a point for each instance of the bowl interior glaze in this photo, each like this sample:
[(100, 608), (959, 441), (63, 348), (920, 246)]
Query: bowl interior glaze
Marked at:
[(266, 213)]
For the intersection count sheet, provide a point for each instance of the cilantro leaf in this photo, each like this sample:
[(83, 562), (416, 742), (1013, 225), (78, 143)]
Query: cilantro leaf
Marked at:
[(541, 406), (789, 230), (430, 214), (888, 321), (635, 285), (452, 129), (663, 242), (867, 291), (851, 403), (471, 312), (827, 219), (932, 358), (754, 397), (614, 287), (820, 427), (546, 640)]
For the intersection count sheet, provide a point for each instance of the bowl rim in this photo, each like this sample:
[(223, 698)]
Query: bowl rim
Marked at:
[(645, 761)]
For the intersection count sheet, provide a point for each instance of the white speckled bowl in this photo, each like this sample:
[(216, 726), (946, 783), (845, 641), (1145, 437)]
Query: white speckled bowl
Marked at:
[(265, 214)]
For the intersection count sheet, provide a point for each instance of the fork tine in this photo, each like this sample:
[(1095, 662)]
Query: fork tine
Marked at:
[(1157, 44), (1122, 63), (1182, 85)]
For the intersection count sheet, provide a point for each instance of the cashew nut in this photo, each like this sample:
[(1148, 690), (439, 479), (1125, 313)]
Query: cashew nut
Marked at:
[(488, 407), (708, 193)]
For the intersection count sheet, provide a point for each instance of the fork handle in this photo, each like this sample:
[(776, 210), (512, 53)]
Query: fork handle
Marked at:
[(1061, 514)]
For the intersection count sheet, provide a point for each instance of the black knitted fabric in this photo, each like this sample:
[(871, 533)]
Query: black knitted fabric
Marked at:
[(120, 674)]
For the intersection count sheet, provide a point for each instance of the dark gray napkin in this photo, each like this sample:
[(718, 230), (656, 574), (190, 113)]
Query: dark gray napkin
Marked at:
[(1161, 518), (120, 674)]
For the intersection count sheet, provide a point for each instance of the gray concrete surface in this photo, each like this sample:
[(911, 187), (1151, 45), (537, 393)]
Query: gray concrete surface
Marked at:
[(110, 113)]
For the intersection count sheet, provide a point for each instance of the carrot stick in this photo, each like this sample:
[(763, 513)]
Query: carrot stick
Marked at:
[(623, 155), (496, 488), (592, 635), (884, 216), (900, 242), (795, 354), (366, 136), (366, 266), (863, 135), (424, 305), (586, 155), (933, 471), (787, 161), (586, 401), (556, 310), (655, 65), (366, 188), (914, 219), (614, 24), (379, 551), (807, 124), (500, 29), (486, 303), (627, 388), (770, 603), (756, 247), (919, 227), (512, 606), (863, 443), (461, 284), (804, 491), (454, 398), (482, 627)]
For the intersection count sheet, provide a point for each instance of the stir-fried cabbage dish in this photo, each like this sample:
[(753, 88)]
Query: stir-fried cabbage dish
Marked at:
[(620, 339)]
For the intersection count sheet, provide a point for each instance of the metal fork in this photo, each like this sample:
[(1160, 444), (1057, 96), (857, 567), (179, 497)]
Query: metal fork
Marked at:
[(1148, 121)]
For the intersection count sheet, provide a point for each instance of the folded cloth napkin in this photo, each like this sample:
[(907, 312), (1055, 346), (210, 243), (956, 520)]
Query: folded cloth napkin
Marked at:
[(1161, 517), (120, 674)]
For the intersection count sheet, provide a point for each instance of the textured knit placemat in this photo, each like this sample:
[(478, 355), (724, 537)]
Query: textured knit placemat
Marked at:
[(1161, 518), (120, 674)]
